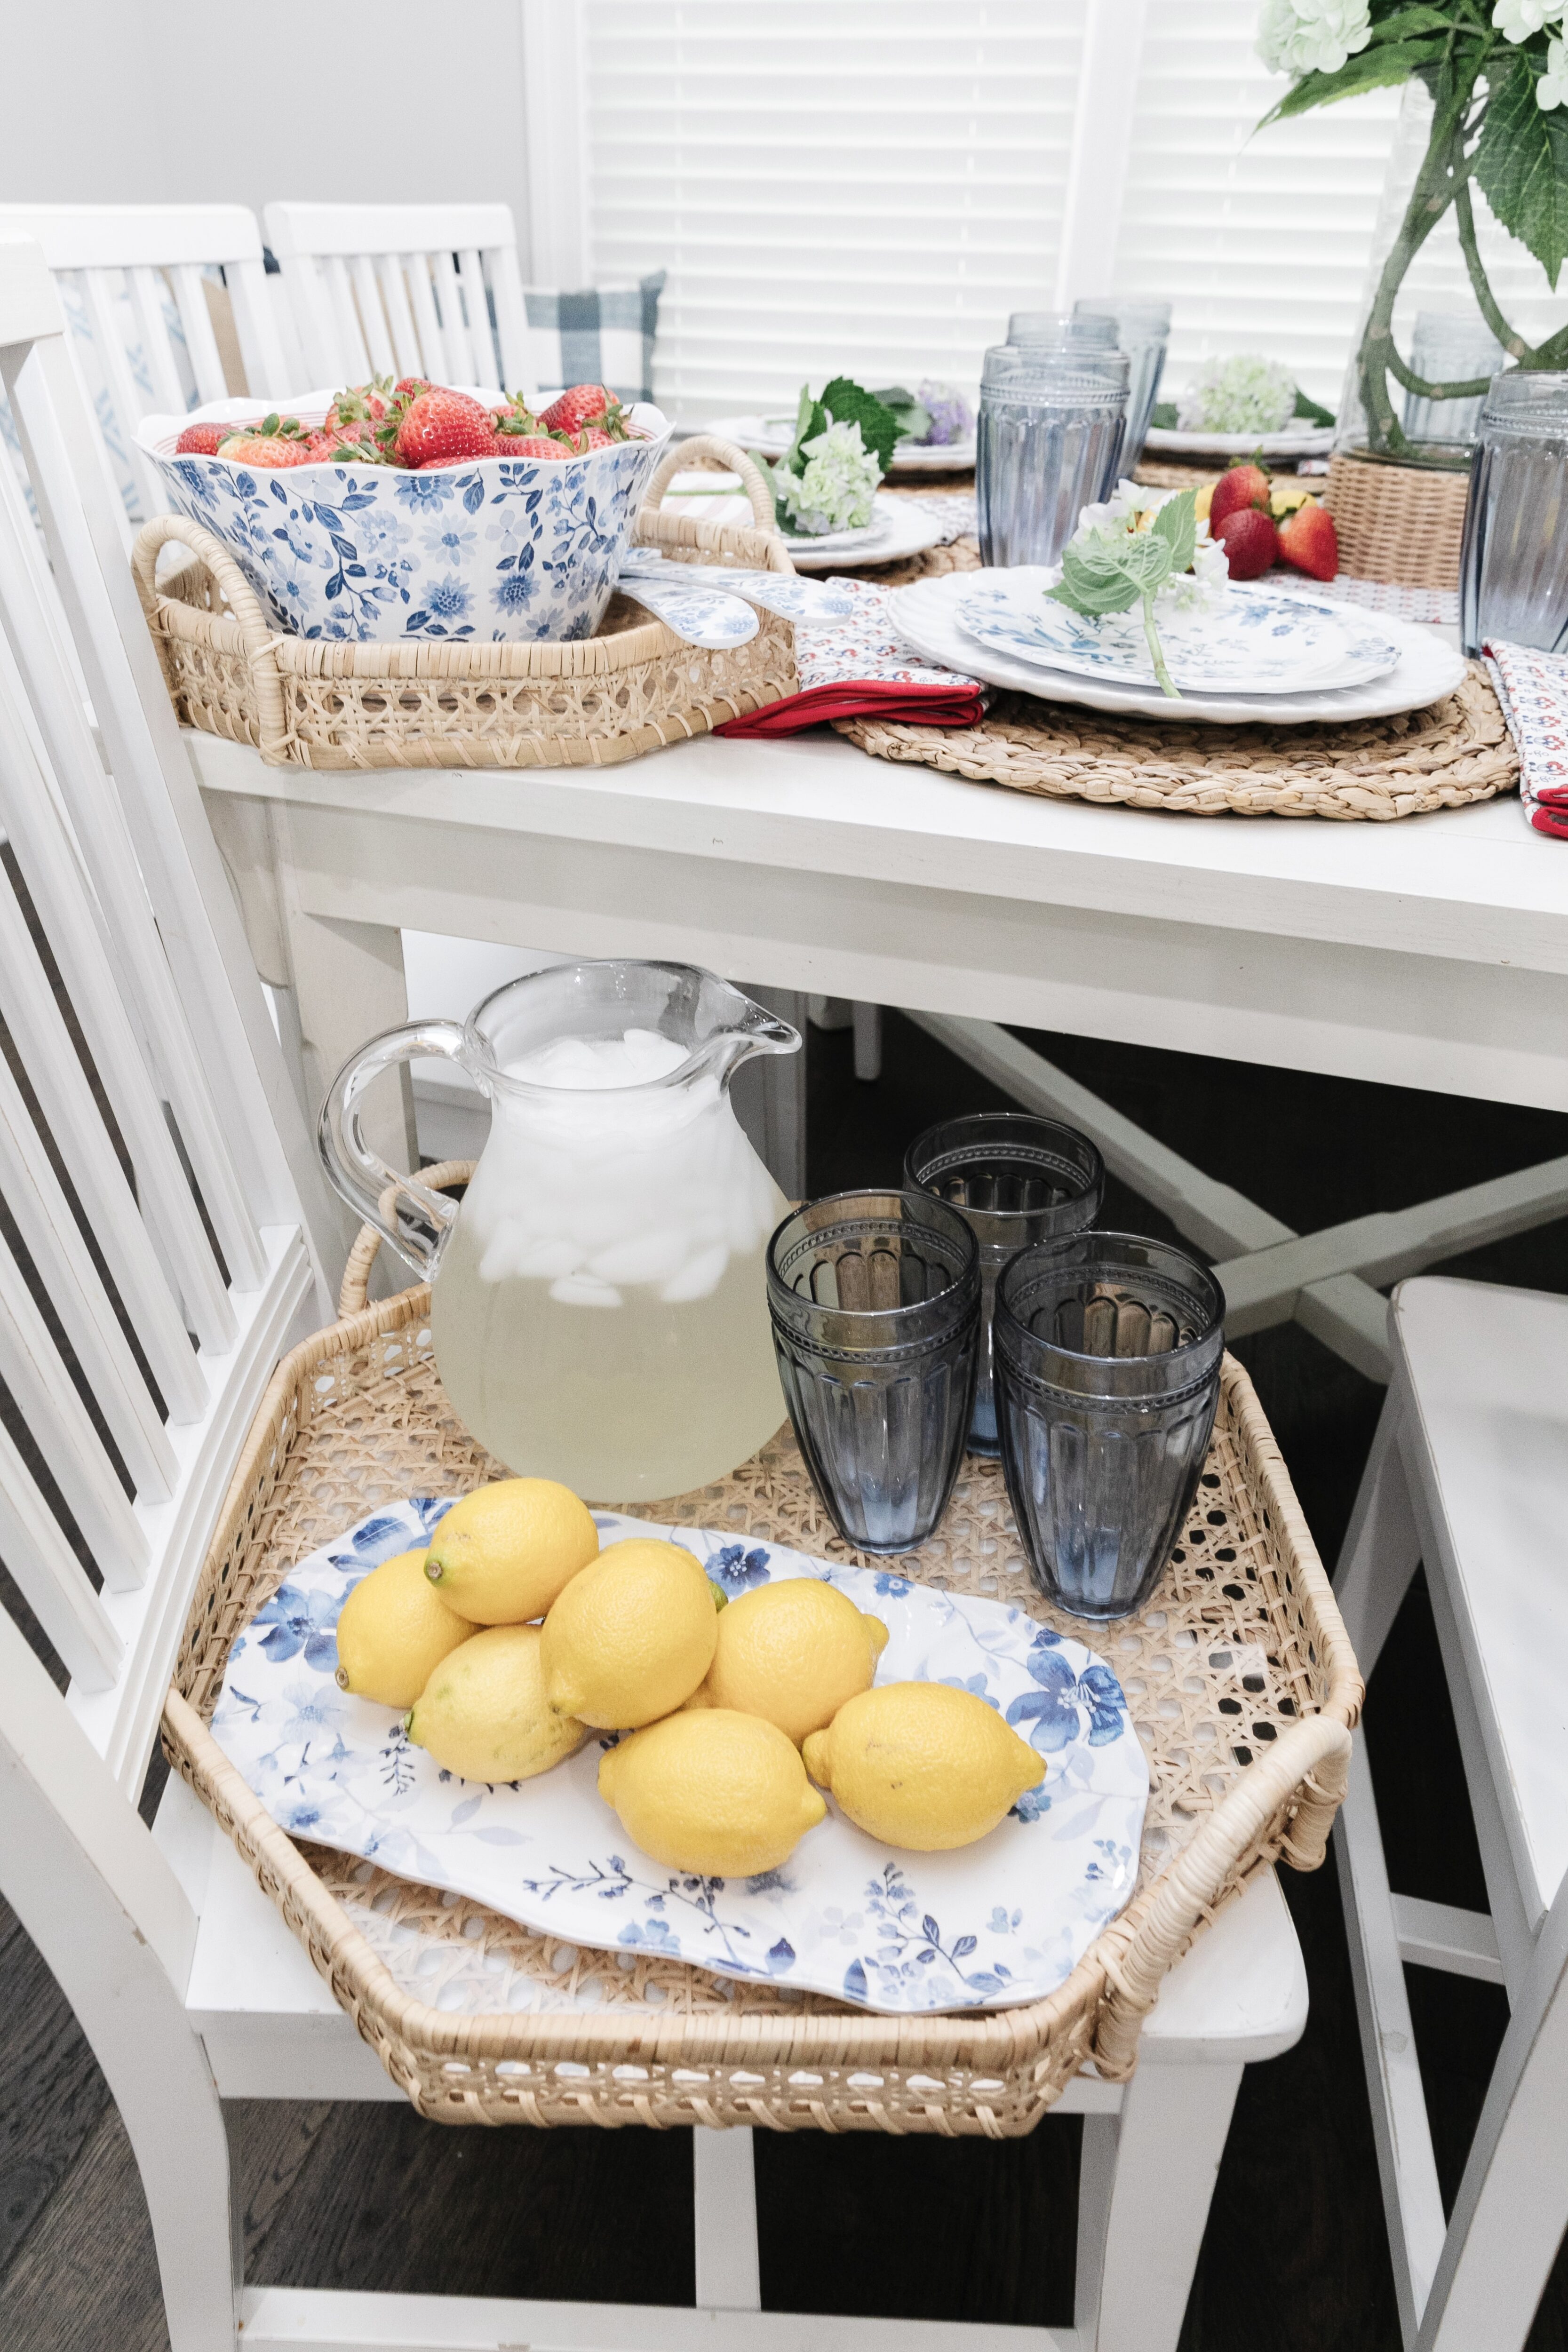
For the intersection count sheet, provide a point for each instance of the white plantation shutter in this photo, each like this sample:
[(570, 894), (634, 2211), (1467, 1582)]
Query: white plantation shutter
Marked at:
[(1261, 238), (858, 186)]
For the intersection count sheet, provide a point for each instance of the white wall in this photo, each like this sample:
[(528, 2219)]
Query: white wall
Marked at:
[(167, 101)]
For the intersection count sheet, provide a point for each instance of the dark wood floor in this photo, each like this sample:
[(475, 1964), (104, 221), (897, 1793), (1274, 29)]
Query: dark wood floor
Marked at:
[(1296, 2259)]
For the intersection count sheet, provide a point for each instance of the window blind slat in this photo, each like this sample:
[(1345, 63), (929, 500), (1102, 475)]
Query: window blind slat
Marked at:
[(831, 184)]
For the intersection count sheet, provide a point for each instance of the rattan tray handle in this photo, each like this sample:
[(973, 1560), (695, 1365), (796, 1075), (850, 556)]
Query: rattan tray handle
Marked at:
[(354, 1292), (255, 629), (1311, 1762), (677, 460)]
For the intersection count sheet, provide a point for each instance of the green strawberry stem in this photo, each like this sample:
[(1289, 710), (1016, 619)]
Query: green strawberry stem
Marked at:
[(1156, 651)]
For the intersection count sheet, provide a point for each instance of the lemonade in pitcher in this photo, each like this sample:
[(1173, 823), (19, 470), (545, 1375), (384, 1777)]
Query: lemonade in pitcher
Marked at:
[(599, 1312)]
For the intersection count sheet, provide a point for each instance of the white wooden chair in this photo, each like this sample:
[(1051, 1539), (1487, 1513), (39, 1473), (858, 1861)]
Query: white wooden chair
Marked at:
[(1469, 1475), (132, 279), (403, 290), (185, 1980)]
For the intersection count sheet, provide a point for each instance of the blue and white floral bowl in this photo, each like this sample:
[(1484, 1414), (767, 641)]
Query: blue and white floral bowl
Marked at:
[(504, 550), (994, 1924)]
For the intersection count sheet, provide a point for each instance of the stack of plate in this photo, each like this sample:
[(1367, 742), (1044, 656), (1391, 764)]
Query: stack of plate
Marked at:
[(773, 435), (1262, 654)]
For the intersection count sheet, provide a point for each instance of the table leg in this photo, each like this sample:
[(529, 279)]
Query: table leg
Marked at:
[(769, 1095), (724, 2205)]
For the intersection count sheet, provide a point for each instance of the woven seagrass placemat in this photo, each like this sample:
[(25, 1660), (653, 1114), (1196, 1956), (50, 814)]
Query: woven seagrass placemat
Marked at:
[(1456, 750)]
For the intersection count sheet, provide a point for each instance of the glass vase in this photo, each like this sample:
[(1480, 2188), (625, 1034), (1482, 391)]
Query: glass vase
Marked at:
[(1417, 265)]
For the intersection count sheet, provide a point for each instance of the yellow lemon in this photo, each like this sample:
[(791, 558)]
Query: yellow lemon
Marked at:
[(483, 1714), (793, 1651), (1283, 498), (394, 1633), (502, 1555), (923, 1765), (719, 1793), (1202, 500), (632, 1636)]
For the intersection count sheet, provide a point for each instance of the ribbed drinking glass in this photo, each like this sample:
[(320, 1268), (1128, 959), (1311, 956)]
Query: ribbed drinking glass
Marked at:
[(1108, 1353), (1513, 568), (875, 1299), (1053, 421), (1142, 329), (1015, 1181)]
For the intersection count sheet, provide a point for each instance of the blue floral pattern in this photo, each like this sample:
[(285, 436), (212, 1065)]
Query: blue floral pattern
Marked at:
[(509, 549), (1000, 1922), (1256, 640)]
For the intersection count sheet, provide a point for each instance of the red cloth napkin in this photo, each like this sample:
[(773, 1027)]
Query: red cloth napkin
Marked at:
[(927, 706), (862, 668)]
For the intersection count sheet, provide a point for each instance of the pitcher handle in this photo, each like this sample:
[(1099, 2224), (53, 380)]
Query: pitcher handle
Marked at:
[(359, 1174)]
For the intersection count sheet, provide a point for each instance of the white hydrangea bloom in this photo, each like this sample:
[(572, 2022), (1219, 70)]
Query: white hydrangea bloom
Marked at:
[(1245, 394), (835, 488), (1516, 19), (1298, 36), (1132, 507), (1551, 89)]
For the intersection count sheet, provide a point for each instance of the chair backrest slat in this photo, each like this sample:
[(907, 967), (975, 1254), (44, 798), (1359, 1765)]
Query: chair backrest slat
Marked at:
[(53, 1241), (44, 1395), (135, 280), (54, 1583), (154, 1165), (122, 1226), (451, 262), (206, 363), (103, 843)]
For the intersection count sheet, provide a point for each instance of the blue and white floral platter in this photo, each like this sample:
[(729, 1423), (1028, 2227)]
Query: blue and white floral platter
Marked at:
[(1252, 639), (503, 551), (991, 1925)]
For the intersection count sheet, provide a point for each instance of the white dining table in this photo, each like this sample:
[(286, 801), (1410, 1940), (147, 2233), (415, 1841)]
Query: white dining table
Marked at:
[(1429, 952)]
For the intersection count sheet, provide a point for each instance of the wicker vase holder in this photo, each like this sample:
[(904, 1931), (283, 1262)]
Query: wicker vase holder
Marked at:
[(307, 703), (1238, 1676), (1402, 523)]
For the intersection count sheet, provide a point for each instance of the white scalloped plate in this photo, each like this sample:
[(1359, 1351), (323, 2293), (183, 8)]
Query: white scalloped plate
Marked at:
[(926, 614)]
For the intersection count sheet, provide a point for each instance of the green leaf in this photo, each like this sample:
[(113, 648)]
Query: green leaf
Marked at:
[(809, 421), (1164, 415), (1312, 410), (848, 403), (1176, 524), (1110, 571), (1088, 588), (1522, 166), (1405, 23), (1377, 68)]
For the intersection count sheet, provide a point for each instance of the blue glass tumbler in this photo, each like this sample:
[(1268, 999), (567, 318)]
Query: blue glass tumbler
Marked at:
[(875, 1301), (1108, 1352), (1016, 1181)]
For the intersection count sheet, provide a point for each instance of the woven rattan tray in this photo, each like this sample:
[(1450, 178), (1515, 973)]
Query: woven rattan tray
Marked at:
[(1238, 1678), (308, 703), (1457, 750)]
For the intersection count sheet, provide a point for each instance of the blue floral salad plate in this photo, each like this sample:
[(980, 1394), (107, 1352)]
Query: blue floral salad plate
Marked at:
[(1252, 639), (991, 1925)]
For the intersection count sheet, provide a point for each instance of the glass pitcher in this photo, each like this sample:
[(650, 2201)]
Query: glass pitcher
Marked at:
[(599, 1310)]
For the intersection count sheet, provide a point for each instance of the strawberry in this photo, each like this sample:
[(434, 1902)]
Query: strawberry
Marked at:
[(1243, 486), (514, 415), (205, 440), (595, 437), (361, 404), (443, 429), (585, 403), (532, 444), (1250, 542), (1309, 541), (276, 441)]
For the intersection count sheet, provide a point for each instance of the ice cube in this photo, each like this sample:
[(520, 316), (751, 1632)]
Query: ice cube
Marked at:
[(644, 1258), (583, 1290), (699, 1277)]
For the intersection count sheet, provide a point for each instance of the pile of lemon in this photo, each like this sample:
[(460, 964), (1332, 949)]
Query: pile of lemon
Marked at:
[(514, 1636)]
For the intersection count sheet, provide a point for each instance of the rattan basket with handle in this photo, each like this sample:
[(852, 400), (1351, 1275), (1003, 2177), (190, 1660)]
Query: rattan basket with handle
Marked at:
[(311, 703), (1402, 523), (1238, 1676)]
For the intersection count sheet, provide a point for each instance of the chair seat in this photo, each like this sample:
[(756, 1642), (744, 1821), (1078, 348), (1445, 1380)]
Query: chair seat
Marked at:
[(1487, 1374), (272, 2029)]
